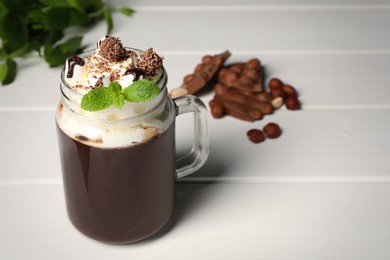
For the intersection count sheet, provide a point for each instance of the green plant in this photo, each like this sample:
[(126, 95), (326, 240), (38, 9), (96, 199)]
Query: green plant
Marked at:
[(39, 25)]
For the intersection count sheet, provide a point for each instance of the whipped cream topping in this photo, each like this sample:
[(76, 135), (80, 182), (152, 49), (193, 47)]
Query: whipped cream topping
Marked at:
[(110, 61)]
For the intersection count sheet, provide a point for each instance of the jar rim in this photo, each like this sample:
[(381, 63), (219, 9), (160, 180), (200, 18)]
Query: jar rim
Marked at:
[(160, 77), (74, 97)]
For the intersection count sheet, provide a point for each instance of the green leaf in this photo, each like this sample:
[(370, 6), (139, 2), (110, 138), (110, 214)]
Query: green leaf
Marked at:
[(126, 11), (118, 101), (13, 5), (77, 4), (20, 52), (57, 18), (54, 56), (3, 71), (116, 94), (71, 46), (13, 30), (108, 19), (77, 18), (8, 71), (101, 98), (39, 25), (115, 87), (3, 53), (96, 99), (55, 3), (140, 91)]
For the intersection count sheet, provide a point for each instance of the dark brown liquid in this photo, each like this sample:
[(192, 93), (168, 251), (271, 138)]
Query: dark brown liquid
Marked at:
[(119, 195)]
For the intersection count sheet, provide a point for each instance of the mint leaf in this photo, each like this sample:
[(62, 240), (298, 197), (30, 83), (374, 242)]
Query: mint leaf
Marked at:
[(8, 71), (126, 11), (118, 101), (115, 87), (96, 99), (116, 95), (140, 91), (101, 98)]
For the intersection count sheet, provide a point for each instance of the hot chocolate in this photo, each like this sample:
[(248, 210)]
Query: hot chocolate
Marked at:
[(119, 195), (116, 134)]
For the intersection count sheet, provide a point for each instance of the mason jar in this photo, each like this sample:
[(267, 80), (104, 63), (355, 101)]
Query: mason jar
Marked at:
[(119, 166)]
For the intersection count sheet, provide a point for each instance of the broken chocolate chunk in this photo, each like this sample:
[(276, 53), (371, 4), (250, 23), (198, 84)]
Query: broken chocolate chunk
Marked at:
[(203, 74), (244, 76)]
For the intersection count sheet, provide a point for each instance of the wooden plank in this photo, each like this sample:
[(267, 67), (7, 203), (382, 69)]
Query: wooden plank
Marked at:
[(314, 145), (256, 29), (266, 3), (329, 49), (325, 81), (215, 221)]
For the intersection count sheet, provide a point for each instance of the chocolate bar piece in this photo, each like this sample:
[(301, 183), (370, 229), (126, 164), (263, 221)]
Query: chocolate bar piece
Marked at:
[(244, 76), (202, 75), (237, 109), (241, 106)]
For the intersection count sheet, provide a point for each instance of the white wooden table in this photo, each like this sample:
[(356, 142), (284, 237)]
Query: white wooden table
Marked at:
[(320, 191)]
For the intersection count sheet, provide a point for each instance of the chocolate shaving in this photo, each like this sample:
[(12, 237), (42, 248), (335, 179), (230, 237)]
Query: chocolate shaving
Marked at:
[(150, 62), (112, 49), (99, 82)]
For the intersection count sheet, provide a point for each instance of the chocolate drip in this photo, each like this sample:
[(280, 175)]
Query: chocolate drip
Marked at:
[(136, 72), (73, 61)]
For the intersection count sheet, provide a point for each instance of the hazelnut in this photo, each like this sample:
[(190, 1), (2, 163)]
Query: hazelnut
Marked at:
[(256, 114), (263, 96), (272, 130), (220, 89), (207, 58), (290, 90), (216, 109), (177, 92), (237, 68), (251, 73), (187, 79), (231, 77), (277, 102), (278, 92), (253, 64), (275, 83), (199, 68), (255, 135), (292, 103), (223, 72), (267, 108)]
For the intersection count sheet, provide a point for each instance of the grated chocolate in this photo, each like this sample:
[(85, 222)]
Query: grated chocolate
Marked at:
[(150, 62), (112, 49)]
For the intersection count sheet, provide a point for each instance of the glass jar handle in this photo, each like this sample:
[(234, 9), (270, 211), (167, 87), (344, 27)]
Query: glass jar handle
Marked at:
[(192, 161)]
